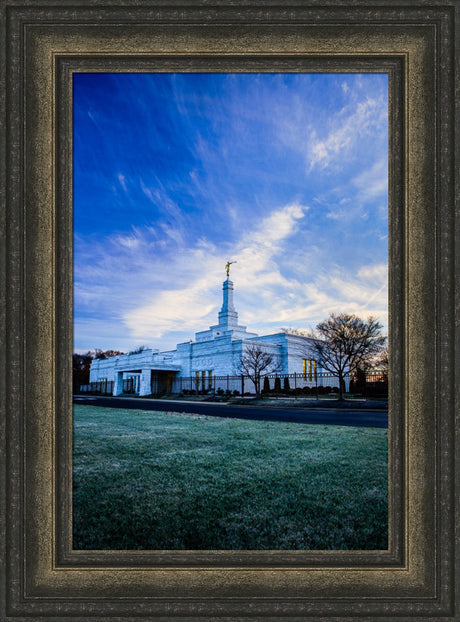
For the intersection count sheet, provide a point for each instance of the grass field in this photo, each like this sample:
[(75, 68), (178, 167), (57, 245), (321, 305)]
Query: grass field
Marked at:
[(150, 480)]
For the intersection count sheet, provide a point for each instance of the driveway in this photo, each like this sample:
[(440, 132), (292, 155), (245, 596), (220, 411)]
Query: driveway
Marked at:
[(328, 416)]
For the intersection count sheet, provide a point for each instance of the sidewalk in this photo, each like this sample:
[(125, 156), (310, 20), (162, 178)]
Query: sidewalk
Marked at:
[(281, 402), (314, 403)]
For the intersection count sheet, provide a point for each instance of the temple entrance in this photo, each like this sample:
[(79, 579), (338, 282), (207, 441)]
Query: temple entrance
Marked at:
[(162, 382), (130, 382)]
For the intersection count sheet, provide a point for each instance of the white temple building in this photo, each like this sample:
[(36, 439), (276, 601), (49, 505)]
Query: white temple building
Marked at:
[(208, 360)]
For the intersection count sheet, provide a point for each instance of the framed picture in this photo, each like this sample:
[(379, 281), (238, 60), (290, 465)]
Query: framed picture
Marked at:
[(47, 50), (287, 174)]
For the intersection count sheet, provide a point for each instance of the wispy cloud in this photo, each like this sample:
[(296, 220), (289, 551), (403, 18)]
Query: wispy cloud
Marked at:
[(176, 174), (348, 129), (153, 308), (372, 183), (122, 180), (192, 301)]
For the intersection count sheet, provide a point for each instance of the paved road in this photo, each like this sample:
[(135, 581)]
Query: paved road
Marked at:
[(330, 416)]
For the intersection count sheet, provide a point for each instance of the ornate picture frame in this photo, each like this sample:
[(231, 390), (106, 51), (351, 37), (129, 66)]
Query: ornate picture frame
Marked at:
[(44, 44)]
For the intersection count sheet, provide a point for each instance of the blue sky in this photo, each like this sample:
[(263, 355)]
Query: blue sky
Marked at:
[(174, 174)]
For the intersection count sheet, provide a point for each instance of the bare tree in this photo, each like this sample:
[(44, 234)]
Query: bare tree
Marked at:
[(138, 349), (344, 342), (81, 364), (378, 365), (380, 362), (106, 354), (256, 363)]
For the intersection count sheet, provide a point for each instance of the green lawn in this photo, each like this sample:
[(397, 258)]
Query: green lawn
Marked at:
[(151, 480)]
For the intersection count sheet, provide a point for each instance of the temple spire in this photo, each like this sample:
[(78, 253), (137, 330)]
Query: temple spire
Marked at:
[(228, 317)]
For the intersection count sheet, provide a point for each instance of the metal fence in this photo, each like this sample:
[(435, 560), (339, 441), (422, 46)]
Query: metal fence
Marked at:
[(103, 387), (373, 384)]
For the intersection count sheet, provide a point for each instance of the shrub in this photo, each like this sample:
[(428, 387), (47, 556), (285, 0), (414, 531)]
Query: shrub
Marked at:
[(277, 388), (266, 388), (359, 381), (286, 385)]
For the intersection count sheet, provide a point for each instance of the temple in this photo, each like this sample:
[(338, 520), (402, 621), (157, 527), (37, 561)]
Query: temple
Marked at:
[(208, 360)]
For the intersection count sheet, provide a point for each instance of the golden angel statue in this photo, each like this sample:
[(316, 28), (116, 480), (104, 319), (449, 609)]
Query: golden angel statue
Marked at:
[(227, 266)]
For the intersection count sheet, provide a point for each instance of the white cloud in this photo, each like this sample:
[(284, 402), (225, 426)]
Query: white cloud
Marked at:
[(122, 180), (129, 241), (365, 293), (197, 298), (347, 130), (377, 273), (171, 311), (159, 295), (372, 183), (362, 197)]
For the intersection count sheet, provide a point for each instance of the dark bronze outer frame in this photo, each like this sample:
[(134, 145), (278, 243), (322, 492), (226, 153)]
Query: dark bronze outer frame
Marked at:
[(42, 577), (65, 67)]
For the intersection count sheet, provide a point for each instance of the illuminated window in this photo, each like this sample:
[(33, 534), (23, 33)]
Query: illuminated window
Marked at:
[(311, 365)]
